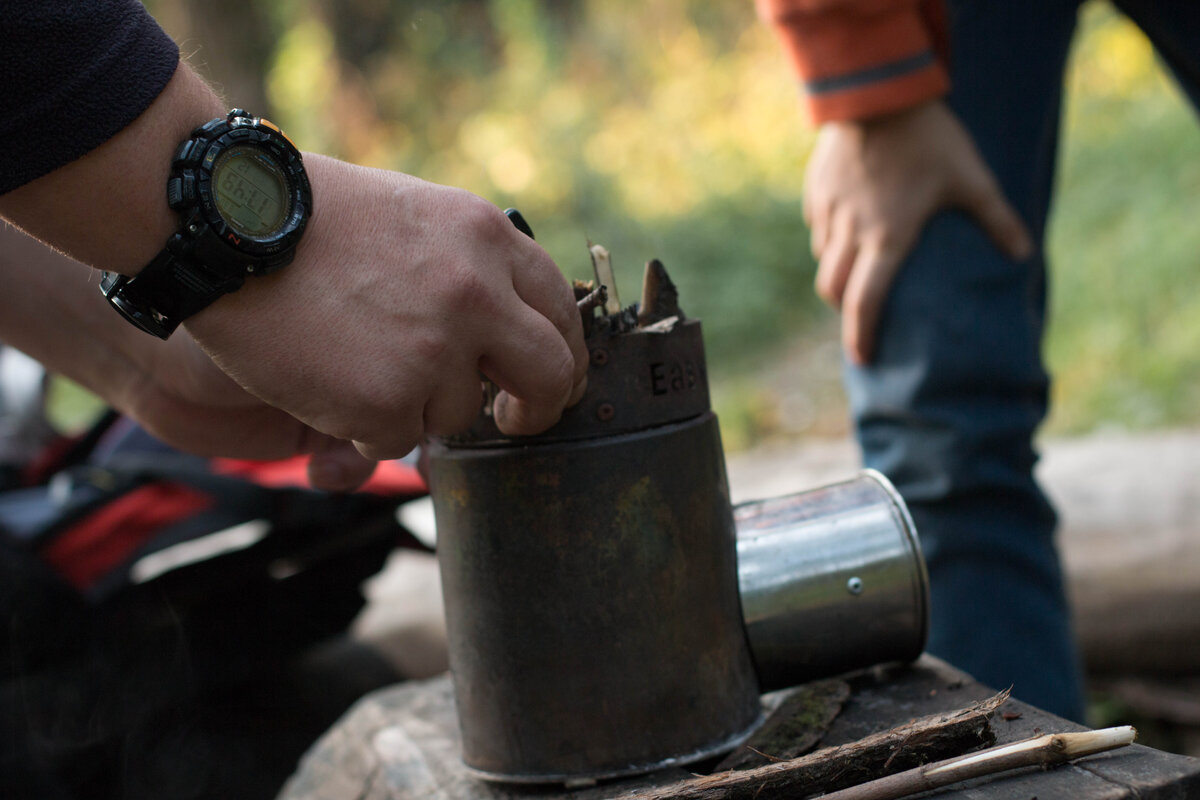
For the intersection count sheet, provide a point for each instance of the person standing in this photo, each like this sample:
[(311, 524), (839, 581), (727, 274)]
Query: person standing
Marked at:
[(927, 194)]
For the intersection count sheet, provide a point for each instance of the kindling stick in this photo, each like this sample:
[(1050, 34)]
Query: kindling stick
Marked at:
[(602, 264), (1055, 748)]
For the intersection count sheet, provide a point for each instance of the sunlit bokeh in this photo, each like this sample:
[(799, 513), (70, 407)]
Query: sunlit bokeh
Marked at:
[(673, 129)]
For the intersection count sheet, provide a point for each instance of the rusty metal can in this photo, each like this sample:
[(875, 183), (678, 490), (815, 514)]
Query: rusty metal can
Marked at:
[(589, 577), (831, 580)]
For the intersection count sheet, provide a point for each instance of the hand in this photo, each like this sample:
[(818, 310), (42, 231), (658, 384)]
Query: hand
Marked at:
[(185, 400), (869, 190), (53, 311), (402, 295)]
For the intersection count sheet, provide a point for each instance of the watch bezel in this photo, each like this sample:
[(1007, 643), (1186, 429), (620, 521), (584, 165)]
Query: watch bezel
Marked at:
[(211, 235)]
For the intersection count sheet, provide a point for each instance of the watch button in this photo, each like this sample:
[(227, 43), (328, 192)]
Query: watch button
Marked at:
[(185, 151), (210, 127), (175, 192), (181, 190)]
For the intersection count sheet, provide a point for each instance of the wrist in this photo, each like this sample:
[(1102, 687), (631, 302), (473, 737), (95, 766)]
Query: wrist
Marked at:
[(243, 199), (900, 116), (249, 310), (129, 171)]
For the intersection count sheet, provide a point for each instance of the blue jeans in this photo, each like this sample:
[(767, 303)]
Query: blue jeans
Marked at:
[(950, 405)]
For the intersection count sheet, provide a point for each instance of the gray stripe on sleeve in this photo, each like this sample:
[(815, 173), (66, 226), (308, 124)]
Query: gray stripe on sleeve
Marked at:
[(854, 80)]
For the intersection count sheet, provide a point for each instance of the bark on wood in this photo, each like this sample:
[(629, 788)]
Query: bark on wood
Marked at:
[(793, 728), (927, 739)]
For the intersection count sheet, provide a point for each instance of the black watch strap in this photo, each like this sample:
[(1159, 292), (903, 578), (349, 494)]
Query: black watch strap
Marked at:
[(167, 291)]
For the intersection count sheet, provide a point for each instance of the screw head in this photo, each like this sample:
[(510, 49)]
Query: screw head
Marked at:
[(854, 585), (605, 412), (599, 356)]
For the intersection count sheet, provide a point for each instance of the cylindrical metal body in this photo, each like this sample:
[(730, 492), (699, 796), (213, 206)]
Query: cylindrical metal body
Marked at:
[(831, 580), (590, 578)]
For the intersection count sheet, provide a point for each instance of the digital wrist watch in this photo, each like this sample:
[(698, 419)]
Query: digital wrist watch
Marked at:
[(243, 199)]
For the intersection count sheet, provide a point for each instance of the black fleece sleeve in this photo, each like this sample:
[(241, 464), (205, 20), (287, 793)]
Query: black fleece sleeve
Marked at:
[(72, 75)]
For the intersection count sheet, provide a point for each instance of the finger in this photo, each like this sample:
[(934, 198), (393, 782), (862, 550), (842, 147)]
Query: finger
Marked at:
[(867, 289), (536, 374), (985, 201), (818, 229), (455, 403), (833, 270), (256, 431), (542, 287), (423, 463), (339, 468), (403, 436)]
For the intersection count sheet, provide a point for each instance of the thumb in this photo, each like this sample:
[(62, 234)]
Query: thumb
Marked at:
[(986, 203), (338, 467)]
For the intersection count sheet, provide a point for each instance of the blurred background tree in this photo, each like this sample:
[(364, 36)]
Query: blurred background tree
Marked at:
[(672, 129)]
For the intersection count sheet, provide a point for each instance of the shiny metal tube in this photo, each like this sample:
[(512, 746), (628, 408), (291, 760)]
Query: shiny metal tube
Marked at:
[(831, 580)]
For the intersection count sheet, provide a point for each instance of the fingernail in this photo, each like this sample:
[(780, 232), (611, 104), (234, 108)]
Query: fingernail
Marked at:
[(500, 407), (577, 392)]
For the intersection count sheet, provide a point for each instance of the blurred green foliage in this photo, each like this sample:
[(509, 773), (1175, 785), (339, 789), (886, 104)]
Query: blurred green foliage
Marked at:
[(673, 130), (666, 130), (1124, 337)]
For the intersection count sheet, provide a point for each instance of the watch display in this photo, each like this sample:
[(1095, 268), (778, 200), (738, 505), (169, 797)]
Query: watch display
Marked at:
[(250, 191)]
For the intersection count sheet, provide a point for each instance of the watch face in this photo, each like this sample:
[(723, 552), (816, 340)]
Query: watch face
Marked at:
[(251, 192)]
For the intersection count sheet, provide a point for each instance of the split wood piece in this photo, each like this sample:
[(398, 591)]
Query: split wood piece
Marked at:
[(921, 741), (602, 264), (793, 728), (660, 297), (1057, 748)]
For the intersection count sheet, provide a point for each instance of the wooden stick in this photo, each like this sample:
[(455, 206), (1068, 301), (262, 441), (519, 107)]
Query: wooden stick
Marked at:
[(602, 264), (923, 740), (1055, 748)]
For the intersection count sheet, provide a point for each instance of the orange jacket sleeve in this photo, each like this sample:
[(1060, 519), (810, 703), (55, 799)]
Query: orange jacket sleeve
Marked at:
[(862, 58)]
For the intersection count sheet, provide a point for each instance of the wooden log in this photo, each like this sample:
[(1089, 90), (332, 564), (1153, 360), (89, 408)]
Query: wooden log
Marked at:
[(918, 742)]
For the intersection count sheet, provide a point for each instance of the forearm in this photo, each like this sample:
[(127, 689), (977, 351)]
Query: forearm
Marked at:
[(108, 209), (52, 310)]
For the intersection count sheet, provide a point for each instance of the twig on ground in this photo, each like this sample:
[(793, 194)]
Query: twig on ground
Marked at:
[(1056, 748)]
